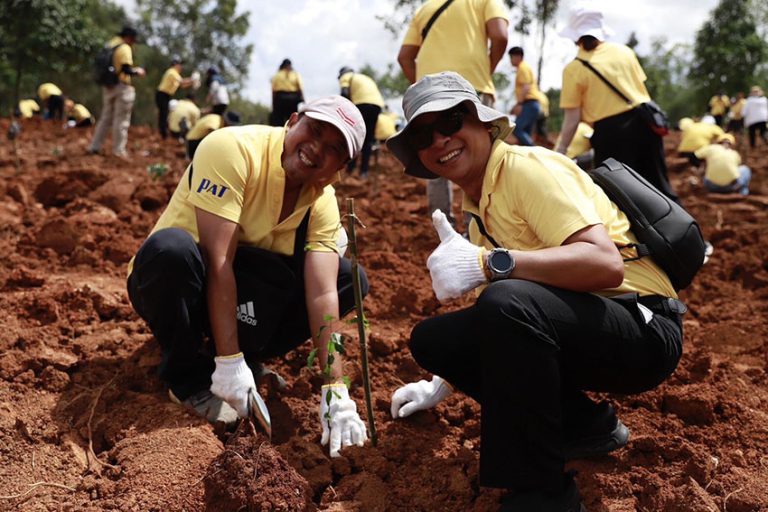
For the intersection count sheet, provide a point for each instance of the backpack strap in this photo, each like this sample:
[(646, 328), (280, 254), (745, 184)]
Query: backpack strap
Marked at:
[(605, 81), (481, 227), (432, 20)]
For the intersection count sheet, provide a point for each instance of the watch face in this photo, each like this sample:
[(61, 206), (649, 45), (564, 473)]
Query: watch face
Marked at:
[(501, 261)]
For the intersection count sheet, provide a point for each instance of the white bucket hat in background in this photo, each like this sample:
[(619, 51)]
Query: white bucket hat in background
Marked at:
[(585, 20), (437, 93)]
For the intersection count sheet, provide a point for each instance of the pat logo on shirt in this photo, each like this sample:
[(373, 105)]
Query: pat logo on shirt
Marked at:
[(206, 187)]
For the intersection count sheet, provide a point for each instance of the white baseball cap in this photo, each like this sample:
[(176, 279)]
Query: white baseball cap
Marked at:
[(341, 113)]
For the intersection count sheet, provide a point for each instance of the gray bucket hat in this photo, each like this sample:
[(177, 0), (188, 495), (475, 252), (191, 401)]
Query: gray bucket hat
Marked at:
[(436, 93)]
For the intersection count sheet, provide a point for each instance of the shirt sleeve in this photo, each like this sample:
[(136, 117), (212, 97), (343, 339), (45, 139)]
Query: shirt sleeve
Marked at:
[(220, 172), (703, 152), (495, 9), (413, 34), (324, 223), (573, 91)]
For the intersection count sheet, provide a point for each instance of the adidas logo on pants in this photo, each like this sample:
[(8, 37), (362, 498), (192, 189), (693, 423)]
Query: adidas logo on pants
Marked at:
[(245, 313)]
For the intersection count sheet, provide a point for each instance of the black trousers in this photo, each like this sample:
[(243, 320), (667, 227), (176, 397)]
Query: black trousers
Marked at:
[(526, 352), (286, 103), (219, 108), (754, 129), (370, 116), (167, 289), (56, 107), (628, 139), (161, 100)]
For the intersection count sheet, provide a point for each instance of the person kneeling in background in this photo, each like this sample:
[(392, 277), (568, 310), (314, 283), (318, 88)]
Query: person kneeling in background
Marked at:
[(78, 114), (206, 125), (723, 172)]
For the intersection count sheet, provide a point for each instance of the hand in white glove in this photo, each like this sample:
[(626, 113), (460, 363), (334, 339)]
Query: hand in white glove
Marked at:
[(231, 381), (342, 425), (456, 264), (418, 396)]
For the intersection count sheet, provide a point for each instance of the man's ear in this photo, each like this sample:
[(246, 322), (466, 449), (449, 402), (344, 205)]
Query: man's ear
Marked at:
[(293, 119)]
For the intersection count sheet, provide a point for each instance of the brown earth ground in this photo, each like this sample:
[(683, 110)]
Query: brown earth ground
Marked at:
[(86, 425)]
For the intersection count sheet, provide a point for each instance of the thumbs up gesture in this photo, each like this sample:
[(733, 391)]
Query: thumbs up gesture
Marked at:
[(456, 266)]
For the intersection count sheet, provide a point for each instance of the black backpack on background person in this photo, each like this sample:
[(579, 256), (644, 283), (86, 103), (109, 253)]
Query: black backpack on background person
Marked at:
[(665, 231), (104, 72)]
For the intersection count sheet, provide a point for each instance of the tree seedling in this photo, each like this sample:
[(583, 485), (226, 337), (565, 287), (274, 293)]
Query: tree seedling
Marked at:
[(157, 171), (335, 345)]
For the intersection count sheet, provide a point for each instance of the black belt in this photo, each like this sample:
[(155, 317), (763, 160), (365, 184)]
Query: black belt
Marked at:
[(664, 305)]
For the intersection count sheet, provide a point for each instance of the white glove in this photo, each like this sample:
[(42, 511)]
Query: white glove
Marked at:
[(231, 381), (418, 396), (346, 428), (195, 76), (456, 265)]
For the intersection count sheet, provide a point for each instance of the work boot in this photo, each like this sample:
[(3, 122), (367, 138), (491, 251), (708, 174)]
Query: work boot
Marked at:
[(569, 500), (604, 434), (209, 406)]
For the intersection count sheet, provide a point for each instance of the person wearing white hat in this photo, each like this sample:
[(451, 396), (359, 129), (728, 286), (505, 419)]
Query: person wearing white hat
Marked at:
[(559, 311), (621, 131), (245, 256)]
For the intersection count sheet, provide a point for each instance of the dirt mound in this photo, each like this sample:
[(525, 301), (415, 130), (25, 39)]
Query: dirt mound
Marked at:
[(86, 425)]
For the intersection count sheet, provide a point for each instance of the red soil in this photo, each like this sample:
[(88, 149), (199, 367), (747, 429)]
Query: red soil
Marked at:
[(77, 365)]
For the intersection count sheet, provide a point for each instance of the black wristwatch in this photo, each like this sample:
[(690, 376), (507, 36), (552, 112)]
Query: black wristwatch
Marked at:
[(501, 263)]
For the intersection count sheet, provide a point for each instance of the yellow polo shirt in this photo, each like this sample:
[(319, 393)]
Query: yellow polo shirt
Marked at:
[(362, 89), (736, 109), (27, 108), (79, 113), (47, 90), (286, 81), (238, 176), (533, 198), (523, 77), (457, 41), (185, 109), (698, 135), (580, 143), (543, 102), (204, 126), (386, 125), (582, 88), (170, 82), (718, 105), (123, 54), (722, 163)]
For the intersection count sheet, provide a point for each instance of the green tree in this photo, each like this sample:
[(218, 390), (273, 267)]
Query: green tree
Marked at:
[(545, 14), (728, 50), (667, 69)]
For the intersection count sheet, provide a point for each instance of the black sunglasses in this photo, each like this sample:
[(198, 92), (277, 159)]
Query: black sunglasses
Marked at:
[(448, 123)]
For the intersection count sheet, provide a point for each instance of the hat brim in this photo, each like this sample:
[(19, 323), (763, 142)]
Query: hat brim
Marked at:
[(336, 123), (600, 33), (398, 145)]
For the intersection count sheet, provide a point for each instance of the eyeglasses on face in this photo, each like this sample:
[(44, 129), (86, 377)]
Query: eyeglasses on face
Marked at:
[(448, 123)]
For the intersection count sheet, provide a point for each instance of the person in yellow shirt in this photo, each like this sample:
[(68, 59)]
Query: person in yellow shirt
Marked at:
[(117, 100), (465, 36), (621, 131), (243, 265), (169, 84), (736, 121), (361, 90), (723, 172), (560, 308), (26, 109), (183, 117), (696, 135), (718, 107), (52, 100), (386, 124), (207, 124), (527, 108), (580, 149), (541, 121), (78, 114), (287, 93)]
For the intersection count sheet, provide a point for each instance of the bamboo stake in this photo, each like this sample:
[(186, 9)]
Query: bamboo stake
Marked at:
[(352, 244)]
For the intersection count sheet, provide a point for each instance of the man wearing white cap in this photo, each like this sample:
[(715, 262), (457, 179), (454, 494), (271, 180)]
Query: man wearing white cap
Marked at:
[(621, 131), (245, 256)]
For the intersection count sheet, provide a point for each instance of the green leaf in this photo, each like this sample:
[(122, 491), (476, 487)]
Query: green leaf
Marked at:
[(331, 359), (328, 397), (347, 380), (351, 321), (331, 348), (327, 370), (311, 358), (335, 394), (320, 331), (328, 318)]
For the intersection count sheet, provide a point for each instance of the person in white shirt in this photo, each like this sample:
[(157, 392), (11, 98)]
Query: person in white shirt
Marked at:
[(756, 115)]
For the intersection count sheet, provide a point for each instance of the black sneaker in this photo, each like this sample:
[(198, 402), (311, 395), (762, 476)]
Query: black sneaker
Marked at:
[(599, 439), (540, 501)]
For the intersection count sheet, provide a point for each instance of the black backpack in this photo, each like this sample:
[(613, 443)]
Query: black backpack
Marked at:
[(664, 230), (104, 72)]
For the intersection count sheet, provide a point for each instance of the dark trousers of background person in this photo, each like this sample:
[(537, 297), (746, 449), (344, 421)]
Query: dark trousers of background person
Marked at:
[(718, 119), (526, 121), (56, 107), (526, 352), (370, 116), (219, 108), (161, 100), (167, 289), (753, 130), (192, 147), (627, 138), (85, 123), (735, 126), (285, 104)]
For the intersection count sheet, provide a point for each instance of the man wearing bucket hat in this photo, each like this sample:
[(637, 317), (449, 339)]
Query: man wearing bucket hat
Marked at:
[(621, 132), (243, 265), (118, 99), (560, 312)]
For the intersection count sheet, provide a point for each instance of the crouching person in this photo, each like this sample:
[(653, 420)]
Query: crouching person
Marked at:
[(560, 313), (243, 265)]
